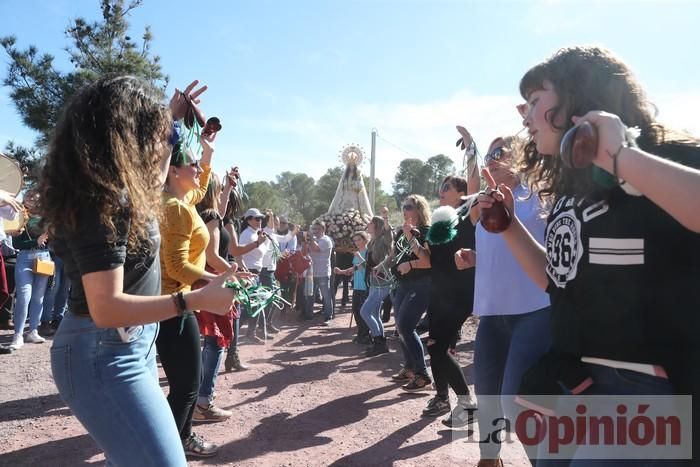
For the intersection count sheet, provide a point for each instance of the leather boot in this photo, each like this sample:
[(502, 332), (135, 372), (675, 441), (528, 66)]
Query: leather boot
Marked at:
[(233, 362)]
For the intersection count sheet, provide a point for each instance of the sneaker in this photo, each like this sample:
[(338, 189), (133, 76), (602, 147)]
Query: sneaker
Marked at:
[(463, 414), (437, 406), (404, 375), (5, 350), (196, 447), (47, 329), (363, 340), (210, 414), (34, 337), (17, 342), (417, 384)]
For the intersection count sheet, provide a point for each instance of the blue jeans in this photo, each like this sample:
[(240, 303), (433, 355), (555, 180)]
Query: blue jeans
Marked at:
[(212, 355), (112, 389), (505, 347), (30, 289), (56, 296), (410, 300), (372, 309), (324, 285)]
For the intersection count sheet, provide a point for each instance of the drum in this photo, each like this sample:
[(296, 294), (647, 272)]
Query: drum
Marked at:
[(11, 178), (15, 226)]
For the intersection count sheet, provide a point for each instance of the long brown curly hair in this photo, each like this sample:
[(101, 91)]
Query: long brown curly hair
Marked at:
[(586, 78), (105, 155)]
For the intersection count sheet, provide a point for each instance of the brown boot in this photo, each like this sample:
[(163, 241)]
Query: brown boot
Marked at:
[(497, 462), (233, 362)]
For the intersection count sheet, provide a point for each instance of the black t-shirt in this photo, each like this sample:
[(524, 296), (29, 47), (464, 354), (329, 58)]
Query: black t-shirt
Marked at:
[(90, 250), (624, 278), (448, 284), (224, 236), (399, 243)]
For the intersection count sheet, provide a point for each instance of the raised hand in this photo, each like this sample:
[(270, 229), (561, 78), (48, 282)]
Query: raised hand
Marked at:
[(465, 138), (180, 101)]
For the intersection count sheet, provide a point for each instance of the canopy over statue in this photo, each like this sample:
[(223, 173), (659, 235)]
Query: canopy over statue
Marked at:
[(351, 193), (350, 210)]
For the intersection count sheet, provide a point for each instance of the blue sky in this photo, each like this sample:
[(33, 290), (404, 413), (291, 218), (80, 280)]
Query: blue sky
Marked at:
[(295, 81)]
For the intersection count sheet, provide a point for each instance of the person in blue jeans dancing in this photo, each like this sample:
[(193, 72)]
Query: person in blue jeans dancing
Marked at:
[(100, 193)]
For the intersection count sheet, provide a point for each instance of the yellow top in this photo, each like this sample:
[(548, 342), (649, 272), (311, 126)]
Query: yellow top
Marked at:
[(184, 239)]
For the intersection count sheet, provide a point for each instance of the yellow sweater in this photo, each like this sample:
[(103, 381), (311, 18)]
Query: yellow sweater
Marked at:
[(184, 239)]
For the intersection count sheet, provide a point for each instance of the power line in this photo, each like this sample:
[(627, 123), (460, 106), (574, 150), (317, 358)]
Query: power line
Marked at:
[(397, 146)]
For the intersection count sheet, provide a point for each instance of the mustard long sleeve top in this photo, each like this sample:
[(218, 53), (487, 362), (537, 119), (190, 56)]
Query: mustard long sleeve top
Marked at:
[(184, 239)]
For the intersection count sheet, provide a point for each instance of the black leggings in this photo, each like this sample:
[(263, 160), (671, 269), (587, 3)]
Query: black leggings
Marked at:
[(444, 322), (181, 357)]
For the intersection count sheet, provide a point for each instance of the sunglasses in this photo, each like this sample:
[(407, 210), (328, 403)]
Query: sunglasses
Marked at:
[(408, 207), (495, 155)]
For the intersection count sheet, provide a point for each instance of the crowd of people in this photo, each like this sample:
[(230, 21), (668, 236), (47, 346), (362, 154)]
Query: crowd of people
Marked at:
[(593, 273)]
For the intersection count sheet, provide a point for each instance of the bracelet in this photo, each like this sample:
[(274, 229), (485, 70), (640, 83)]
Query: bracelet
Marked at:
[(180, 304), (614, 158)]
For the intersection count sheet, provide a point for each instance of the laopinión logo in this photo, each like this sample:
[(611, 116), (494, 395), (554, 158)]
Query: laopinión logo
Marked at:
[(587, 427)]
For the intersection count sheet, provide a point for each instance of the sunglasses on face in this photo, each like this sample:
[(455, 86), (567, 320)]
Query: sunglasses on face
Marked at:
[(495, 155), (408, 207)]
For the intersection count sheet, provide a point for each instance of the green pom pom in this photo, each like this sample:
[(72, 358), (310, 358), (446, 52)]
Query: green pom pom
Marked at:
[(441, 232)]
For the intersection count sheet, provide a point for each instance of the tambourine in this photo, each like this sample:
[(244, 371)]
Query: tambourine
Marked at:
[(11, 177), (15, 226)]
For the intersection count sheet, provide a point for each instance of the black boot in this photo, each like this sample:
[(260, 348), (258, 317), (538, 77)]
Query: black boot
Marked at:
[(233, 362), (378, 347)]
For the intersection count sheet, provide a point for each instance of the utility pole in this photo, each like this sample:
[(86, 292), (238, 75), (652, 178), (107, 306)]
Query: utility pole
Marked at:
[(371, 170)]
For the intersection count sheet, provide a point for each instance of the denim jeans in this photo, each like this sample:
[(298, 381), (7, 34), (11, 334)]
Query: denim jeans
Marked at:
[(505, 347), (410, 300), (29, 289), (372, 308), (212, 355), (324, 285), (56, 296), (112, 389)]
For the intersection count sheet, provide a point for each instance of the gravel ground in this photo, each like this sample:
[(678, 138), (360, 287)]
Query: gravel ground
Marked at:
[(308, 399)]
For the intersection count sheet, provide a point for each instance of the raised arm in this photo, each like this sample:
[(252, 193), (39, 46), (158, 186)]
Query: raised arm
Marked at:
[(668, 184)]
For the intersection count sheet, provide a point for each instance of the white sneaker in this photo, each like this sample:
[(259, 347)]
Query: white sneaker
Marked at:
[(17, 342), (34, 337)]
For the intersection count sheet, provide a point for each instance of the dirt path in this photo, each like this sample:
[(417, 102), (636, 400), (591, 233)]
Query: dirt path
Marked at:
[(309, 399)]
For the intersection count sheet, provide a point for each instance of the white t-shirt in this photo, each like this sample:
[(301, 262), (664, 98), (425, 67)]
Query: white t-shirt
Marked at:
[(321, 260), (267, 261), (9, 213), (501, 286), (254, 258)]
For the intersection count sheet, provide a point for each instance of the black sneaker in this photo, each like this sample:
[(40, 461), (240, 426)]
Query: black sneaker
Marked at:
[(437, 406), (417, 384), (195, 446), (462, 415), (363, 340)]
